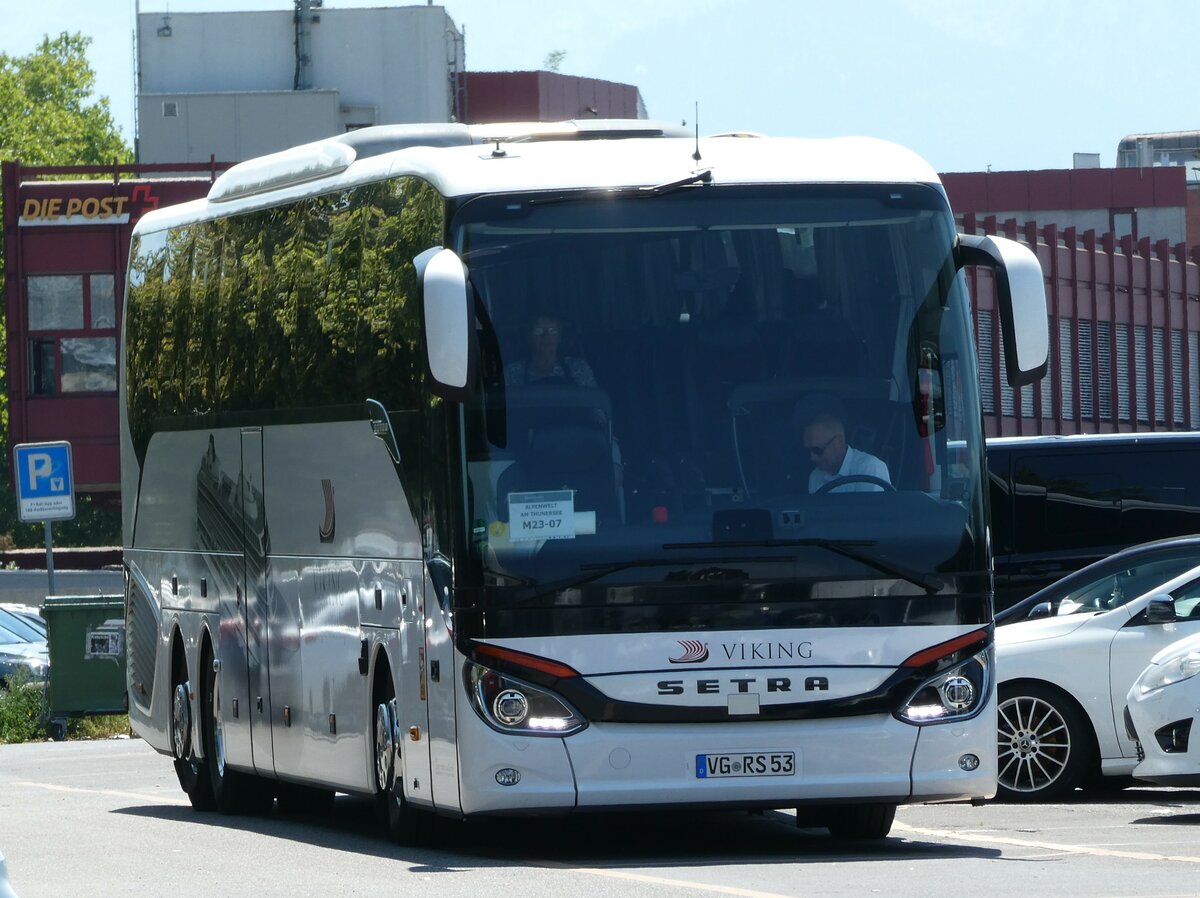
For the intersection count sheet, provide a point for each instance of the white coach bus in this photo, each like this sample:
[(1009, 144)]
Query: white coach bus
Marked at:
[(470, 468)]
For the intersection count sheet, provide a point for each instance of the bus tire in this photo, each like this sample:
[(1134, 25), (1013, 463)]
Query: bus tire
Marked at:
[(399, 819), (191, 771), (860, 822), (233, 792)]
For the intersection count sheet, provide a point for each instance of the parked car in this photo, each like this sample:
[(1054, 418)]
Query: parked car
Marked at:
[(27, 613), (1160, 710), (1109, 582), (22, 646), (1060, 503), (23, 620), (1062, 683)]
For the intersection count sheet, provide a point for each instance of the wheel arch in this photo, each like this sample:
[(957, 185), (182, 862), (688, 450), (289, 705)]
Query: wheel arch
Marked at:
[(381, 667)]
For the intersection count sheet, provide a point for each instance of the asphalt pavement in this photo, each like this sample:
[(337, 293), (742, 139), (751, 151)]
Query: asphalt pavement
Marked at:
[(107, 818)]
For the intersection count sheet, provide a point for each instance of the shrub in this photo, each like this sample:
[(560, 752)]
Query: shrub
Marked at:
[(21, 703)]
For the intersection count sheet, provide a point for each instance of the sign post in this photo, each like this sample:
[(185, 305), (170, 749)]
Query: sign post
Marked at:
[(45, 489)]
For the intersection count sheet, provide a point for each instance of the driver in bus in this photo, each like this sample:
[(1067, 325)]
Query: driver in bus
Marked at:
[(833, 458)]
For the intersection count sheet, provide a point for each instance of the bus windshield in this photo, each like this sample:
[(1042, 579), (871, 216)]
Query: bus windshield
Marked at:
[(741, 404)]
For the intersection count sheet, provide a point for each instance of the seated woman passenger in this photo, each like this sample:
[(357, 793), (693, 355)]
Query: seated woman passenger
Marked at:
[(544, 361)]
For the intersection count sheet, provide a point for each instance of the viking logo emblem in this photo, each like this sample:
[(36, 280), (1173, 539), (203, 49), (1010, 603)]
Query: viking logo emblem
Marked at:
[(694, 652)]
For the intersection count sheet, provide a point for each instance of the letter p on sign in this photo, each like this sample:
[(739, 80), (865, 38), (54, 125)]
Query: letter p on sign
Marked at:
[(45, 486)]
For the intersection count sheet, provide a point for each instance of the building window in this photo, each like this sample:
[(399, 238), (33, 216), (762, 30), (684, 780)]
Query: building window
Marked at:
[(1123, 223), (73, 333)]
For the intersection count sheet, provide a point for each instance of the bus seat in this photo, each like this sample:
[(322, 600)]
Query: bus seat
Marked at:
[(560, 437), (576, 457)]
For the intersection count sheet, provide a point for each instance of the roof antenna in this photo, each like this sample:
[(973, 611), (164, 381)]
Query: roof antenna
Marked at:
[(696, 122)]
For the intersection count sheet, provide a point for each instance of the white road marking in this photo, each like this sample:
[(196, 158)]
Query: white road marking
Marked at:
[(666, 881), (961, 836), (139, 796)]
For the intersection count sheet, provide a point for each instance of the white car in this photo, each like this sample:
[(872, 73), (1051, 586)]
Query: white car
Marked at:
[(1062, 683), (1159, 712)]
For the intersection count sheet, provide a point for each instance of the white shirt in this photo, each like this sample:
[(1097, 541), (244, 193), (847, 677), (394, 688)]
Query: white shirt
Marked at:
[(855, 462)]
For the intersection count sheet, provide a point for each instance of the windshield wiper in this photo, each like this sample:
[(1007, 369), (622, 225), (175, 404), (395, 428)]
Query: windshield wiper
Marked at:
[(696, 178), (700, 177), (848, 548)]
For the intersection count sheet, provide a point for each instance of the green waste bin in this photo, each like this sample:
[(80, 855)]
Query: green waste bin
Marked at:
[(87, 658)]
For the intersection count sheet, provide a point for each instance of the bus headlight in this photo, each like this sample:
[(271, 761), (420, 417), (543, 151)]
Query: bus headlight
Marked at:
[(511, 705), (954, 694)]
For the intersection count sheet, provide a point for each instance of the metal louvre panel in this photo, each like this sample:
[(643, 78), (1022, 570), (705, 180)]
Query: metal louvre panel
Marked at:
[(1066, 368), (141, 648), (1194, 378), (1140, 372), (1123, 372), (987, 362), (1177, 377), (1160, 376), (1087, 371), (1104, 368)]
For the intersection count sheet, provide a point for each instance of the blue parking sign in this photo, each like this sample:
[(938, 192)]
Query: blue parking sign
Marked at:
[(45, 487)]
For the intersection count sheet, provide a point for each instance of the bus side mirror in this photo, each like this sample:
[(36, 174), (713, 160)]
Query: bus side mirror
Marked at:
[(1161, 610), (448, 322), (1021, 292)]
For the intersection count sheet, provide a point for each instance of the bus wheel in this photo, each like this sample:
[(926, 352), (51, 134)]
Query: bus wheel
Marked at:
[(394, 810), (860, 821), (1043, 743), (191, 771), (233, 792)]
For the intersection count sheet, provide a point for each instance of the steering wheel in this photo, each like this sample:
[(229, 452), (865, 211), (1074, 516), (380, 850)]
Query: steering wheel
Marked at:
[(855, 478)]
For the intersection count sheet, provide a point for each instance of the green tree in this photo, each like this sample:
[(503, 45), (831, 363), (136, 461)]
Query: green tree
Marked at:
[(49, 115)]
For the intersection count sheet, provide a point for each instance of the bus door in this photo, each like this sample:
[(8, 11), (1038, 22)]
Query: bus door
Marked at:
[(413, 688), (253, 598)]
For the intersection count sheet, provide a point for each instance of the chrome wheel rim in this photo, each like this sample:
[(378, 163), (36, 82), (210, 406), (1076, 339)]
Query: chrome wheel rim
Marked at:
[(181, 722), (385, 747), (218, 728), (1033, 745)]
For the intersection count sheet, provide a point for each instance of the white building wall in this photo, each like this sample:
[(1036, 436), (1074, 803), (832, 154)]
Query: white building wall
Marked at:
[(387, 65), (1156, 222), (233, 126)]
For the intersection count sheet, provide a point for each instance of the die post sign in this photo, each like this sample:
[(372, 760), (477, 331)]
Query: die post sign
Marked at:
[(45, 487)]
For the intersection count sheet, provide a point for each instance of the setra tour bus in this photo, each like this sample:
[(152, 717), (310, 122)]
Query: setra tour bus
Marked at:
[(471, 468)]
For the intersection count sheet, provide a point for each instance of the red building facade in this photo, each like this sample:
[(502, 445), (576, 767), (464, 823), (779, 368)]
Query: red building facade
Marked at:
[(541, 96), (66, 245)]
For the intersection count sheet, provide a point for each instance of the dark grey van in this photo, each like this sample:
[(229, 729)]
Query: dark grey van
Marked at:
[(1059, 503)]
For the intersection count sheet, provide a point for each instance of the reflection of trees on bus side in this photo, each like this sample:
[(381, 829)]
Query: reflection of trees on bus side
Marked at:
[(307, 305)]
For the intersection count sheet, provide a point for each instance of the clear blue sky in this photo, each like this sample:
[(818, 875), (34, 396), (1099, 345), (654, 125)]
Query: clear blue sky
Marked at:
[(968, 85)]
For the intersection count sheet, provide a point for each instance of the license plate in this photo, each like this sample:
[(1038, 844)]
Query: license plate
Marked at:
[(771, 763)]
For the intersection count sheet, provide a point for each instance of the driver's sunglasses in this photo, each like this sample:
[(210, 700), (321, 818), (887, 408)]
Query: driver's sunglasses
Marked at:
[(544, 331), (820, 450)]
